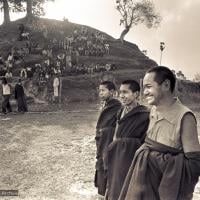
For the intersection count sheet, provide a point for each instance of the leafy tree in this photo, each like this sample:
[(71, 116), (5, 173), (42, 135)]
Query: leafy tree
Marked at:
[(136, 12), (32, 8)]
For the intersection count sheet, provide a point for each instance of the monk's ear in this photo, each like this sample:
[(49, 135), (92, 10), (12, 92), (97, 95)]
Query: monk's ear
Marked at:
[(166, 85), (137, 93), (112, 92)]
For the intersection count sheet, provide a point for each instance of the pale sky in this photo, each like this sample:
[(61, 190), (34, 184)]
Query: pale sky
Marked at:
[(179, 29)]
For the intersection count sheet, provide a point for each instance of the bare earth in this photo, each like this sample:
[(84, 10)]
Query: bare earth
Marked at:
[(50, 156)]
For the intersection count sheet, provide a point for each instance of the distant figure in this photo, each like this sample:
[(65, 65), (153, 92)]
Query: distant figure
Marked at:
[(107, 48), (1, 60), (23, 73), (56, 84), (6, 107), (21, 30), (8, 74), (20, 97), (25, 36)]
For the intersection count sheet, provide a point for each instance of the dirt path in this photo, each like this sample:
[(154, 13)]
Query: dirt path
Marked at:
[(49, 156)]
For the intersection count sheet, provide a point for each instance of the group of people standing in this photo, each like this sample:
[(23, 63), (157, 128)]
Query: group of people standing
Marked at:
[(18, 94), (146, 153)]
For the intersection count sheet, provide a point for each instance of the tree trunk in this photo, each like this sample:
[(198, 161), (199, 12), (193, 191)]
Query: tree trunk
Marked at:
[(124, 32), (6, 12), (29, 9)]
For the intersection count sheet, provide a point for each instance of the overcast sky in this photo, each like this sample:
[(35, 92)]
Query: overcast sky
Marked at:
[(180, 29)]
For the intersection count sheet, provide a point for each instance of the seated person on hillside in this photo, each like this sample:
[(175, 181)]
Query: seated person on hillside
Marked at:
[(21, 30), (47, 62), (10, 57), (25, 36), (29, 72), (1, 60), (107, 48), (23, 73), (8, 74), (2, 70)]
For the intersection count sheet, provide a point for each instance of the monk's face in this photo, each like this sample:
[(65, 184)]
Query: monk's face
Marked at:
[(104, 93), (127, 96), (152, 90)]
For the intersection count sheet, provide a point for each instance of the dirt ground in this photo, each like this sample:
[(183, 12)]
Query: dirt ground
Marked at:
[(50, 155)]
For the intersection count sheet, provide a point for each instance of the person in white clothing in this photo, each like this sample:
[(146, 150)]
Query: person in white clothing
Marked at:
[(6, 107), (56, 84)]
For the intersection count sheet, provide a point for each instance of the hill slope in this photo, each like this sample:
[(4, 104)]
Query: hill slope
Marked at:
[(125, 55), (43, 34)]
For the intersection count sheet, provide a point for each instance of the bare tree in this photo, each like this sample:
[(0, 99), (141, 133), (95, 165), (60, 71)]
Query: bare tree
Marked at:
[(136, 12)]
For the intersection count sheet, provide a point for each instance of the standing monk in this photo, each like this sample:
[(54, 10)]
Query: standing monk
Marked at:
[(20, 97), (105, 131), (132, 124), (167, 165)]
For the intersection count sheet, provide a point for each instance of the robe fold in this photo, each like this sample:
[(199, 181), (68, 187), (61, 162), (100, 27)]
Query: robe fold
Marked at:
[(160, 172), (104, 135), (130, 134)]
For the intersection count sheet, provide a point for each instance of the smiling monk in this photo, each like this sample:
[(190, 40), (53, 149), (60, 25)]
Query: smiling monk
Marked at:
[(132, 123), (167, 165)]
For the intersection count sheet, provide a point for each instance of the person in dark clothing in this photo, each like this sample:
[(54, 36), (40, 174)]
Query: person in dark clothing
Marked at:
[(167, 165), (6, 107), (132, 124), (21, 31), (104, 131), (20, 97)]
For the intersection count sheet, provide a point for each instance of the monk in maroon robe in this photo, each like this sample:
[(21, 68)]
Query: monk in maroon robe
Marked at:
[(20, 97), (167, 165), (104, 131), (132, 123)]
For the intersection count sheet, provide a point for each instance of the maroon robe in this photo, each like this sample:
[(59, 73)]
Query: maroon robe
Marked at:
[(130, 135), (20, 97), (104, 136), (161, 172)]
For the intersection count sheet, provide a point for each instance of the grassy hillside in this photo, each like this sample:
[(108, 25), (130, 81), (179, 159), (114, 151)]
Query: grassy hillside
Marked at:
[(123, 55), (128, 60)]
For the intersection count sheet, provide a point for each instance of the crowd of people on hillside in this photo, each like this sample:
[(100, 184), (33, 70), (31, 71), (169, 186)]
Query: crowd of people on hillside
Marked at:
[(142, 152), (59, 54)]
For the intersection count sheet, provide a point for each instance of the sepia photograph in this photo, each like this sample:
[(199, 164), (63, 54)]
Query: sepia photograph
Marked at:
[(99, 100)]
